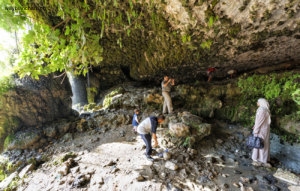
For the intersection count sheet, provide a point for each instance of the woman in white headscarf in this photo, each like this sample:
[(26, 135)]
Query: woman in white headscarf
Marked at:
[(262, 129)]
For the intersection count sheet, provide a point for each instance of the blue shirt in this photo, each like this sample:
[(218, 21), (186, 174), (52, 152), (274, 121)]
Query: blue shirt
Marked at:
[(134, 120)]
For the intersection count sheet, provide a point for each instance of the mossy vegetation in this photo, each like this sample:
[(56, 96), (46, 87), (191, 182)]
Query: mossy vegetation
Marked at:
[(108, 98), (91, 93), (6, 83), (271, 86), (68, 155), (8, 140), (206, 44), (187, 142), (296, 96), (234, 30), (2, 175), (280, 89)]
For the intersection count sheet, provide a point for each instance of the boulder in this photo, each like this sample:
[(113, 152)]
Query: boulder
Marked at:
[(179, 129)]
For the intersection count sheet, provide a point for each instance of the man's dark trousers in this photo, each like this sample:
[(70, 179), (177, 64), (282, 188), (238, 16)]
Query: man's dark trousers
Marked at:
[(147, 139)]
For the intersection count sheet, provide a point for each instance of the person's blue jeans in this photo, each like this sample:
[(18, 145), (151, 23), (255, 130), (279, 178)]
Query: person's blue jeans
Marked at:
[(147, 139)]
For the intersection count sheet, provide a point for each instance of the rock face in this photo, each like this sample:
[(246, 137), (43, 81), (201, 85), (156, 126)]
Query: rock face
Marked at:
[(143, 40), (34, 103), (188, 126), (37, 102)]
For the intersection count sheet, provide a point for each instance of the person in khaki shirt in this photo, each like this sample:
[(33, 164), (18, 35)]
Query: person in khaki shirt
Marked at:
[(166, 86), (147, 127)]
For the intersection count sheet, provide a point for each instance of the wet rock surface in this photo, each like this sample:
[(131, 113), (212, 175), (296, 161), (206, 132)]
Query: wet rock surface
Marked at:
[(113, 159)]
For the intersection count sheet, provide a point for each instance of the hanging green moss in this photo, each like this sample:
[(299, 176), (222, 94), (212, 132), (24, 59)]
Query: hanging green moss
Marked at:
[(108, 98), (91, 93), (273, 87)]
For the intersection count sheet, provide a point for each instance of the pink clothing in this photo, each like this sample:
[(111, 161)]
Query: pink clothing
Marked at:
[(262, 129)]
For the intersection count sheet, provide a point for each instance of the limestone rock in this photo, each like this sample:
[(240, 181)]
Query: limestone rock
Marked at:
[(179, 129), (294, 188), (25, 170), (167, 155), (171, 165), (287, 176), (4, 184)]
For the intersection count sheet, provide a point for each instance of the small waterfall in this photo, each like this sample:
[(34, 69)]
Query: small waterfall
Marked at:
[(78, 85)]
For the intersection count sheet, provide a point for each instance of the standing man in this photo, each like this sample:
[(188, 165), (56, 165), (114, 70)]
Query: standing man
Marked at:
[(145, 128), (166, 85)]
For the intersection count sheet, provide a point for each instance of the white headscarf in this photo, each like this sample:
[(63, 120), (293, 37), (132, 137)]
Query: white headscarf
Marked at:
[(264, 104)]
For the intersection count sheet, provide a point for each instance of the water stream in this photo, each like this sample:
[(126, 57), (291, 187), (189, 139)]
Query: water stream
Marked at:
[(287, 154), (78, 85)]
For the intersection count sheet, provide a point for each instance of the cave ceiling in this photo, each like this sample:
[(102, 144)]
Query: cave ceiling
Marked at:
[(183, 38)]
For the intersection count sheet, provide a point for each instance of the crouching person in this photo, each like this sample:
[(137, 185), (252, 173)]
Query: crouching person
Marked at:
[(148, 127)]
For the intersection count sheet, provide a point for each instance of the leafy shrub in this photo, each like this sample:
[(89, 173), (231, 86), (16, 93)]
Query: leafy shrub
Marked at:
[(6, 83), (296, 96), (272, 87)]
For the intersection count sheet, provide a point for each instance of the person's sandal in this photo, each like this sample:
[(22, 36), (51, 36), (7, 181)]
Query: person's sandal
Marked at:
[(255, 163), (268, 165)]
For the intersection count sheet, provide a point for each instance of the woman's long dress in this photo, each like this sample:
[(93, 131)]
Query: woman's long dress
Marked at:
[(262, 129)]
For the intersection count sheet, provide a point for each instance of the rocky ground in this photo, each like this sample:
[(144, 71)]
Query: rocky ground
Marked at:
[(112, 159)]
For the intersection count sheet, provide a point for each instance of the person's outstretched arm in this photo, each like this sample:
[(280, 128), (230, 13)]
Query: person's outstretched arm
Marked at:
[(154, 137)]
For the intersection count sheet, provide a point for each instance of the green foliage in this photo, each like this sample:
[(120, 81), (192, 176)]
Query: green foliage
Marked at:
[(12, 16), (6, 83), (91, 106), (68, 35), (13, 185), (269, 86), (68, 155), (187, 142), (108, 98), (2, 175), (296, 96), (206, 44), (10, 167), (75, 52), (185, 38), (64, 158), (71, 44), (211, 21), (8, 140), (91, 92), (272, 87), (242, 113)]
